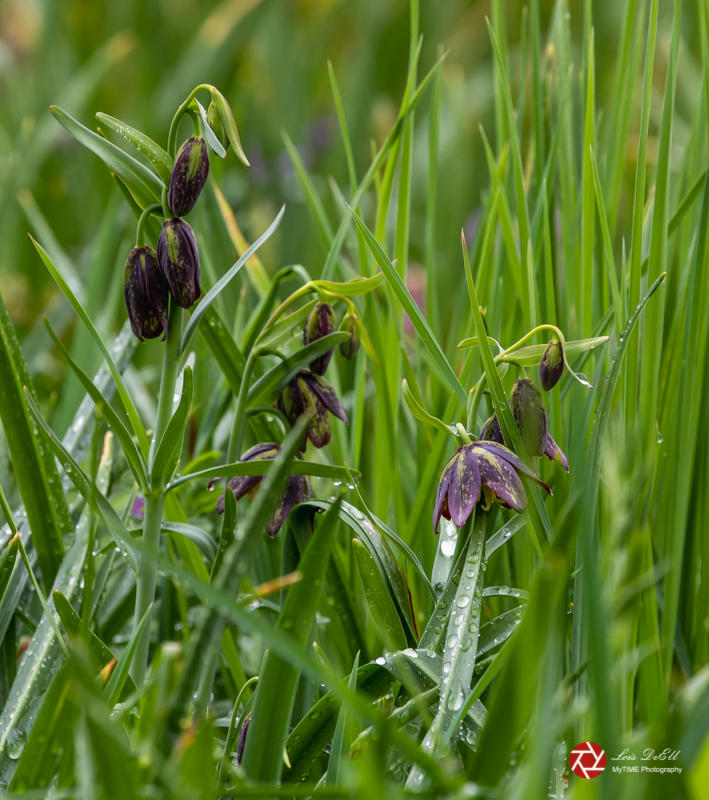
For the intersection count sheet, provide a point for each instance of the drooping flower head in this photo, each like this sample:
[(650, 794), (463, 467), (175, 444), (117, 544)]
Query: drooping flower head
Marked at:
[(179, 261), (481, 470), (350, 346), (189, 174), (531, 418), (320, 322), (145, 293), (297, 488), (551, 365), (311, 392)]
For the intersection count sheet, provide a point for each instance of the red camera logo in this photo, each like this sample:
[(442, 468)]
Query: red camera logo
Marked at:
[(587, 760)]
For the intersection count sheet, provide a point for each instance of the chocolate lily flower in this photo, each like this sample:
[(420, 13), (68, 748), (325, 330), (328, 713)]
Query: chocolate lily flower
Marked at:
[(188, 177), (531, 418), (481, 468), (308, 391), (179, 261), (297, 488), (552, 365), (350, 346), (320, 322), (146, 294)]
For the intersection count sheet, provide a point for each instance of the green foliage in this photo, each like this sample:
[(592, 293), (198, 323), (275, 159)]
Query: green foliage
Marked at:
[(150, 647)]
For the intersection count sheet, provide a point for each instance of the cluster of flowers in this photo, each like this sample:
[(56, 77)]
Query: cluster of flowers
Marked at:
[(486, 468), (150, 278), (307, 392)]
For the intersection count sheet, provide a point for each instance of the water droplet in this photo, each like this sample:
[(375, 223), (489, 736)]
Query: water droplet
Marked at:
[(452, 641), (15, 744), (314, 714), (448, 547), (462, 601), (381, 661), (459, 619), (337, 483)]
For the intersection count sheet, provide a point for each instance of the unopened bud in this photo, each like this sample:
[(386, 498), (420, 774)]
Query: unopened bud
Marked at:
[(189, 174), (552, 365), (146, 294), (179, 261), (530, 415), (320, 322), (350, 346)]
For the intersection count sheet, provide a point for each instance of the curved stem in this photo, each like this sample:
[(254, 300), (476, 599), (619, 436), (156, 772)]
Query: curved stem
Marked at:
[(237, 430), (142, 220)]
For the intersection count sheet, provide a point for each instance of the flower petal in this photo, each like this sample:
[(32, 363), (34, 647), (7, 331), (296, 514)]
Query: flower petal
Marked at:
[(500, 477), (464, 487), (441, 505), (512, 458), (262, 451), (554, 453), (327, 394), (319, 425), (296, 491)]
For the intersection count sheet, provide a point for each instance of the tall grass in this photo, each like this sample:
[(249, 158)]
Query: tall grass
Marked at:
[(335, 649)]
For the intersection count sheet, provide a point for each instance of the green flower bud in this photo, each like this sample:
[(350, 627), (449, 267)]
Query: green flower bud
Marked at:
[(552, 365), (350, 346), (215, 123), (179, 261), (146, 294), (320, 322), (530, 415), (189, 174)]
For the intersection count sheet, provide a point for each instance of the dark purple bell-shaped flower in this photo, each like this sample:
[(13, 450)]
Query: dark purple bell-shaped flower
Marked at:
[(320, 322), (146, 294), (308, 391), (179, 261), (297, 488), (552, 365), (189, 174), (481, 469)]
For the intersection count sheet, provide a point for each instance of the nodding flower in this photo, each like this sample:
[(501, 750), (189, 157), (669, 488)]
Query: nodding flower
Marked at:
[(189, 174), (145, 293), (531, 418), (297, 488), (320, 322), (179, 261), (481, 470), (551, 365), (311, 392)]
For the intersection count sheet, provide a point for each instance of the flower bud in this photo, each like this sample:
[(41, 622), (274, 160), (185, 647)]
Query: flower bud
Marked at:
[(146, 294), (491, 431), (530, 415), (214, 121), (350, 346), (179, 261), (552, 365), (189, 174), (320, 322)]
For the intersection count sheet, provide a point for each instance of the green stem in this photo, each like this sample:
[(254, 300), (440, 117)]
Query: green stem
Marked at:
[(155, 499), (140, 229), (237, 430)]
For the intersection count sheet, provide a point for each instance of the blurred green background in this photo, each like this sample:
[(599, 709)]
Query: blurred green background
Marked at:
[(137, 60)]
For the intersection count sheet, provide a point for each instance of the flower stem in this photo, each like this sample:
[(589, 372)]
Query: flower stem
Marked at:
[(155, 498)]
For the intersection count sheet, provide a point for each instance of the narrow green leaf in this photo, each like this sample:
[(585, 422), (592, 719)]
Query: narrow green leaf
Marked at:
[(72, 623), (379, 600), (103, 406), (34, 467), (128, 404), (275, 692), (211, 295), (412, 310), (169, 449), (157, 156), (142, 182)]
